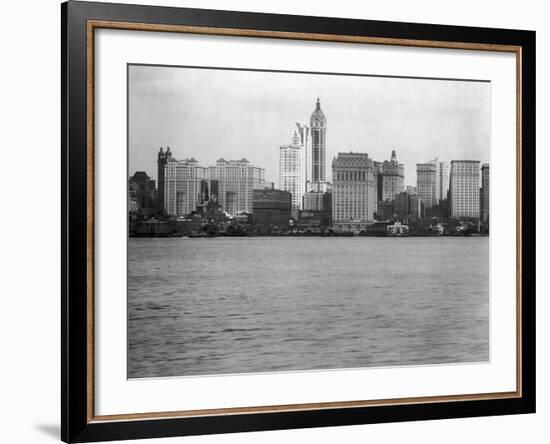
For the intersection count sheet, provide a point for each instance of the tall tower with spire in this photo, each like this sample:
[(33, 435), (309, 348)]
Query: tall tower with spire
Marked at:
[(393, 177), (318, 125), (291, 171)]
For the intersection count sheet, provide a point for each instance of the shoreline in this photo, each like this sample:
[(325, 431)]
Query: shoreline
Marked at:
[(476, 235)]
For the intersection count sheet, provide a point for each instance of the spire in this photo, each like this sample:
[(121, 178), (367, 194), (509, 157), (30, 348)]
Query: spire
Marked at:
[(318, 120), (295, 139), (393, 156)]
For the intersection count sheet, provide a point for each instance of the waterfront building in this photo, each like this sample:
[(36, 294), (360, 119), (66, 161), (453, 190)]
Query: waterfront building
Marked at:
[(353, 193), (318, 125), (237, 180), (271, 210), (484, 196), (426, 180), (183, 183), (142, 192), (464, 188), (393, 177), (162, 159), (407, 206), (291, 171)]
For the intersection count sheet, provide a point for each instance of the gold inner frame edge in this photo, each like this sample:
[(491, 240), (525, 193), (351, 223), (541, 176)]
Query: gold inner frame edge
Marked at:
[(105, 24)]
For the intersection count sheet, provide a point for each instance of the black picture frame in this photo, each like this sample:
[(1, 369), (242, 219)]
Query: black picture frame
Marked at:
[(76, 423)]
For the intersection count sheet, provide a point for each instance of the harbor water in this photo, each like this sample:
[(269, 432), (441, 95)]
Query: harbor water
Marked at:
[(261, 304)]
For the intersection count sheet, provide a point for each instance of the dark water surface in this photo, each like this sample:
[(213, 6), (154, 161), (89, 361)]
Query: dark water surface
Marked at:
[(233, 305)]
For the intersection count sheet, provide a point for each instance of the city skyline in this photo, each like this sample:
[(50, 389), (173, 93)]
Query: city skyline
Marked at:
[(354, 196), (455, 113)]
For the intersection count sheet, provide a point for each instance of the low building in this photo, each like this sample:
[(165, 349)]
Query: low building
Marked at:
[(378, 229), (324, 218), (271, 210), (173, 227), (310, 224)]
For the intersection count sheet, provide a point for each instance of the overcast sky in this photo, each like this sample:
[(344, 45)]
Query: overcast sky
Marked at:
[(209, 113)]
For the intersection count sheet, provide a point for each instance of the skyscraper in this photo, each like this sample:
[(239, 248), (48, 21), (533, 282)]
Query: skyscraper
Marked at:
[(485, 191), (353, 193), (393, 177), (291, 171), (378, 180), (162, 159), (407, 206), (442, 179), (318, 124), (305, 143), (237, 179), (182, 185), (426, 183), (464, 187)]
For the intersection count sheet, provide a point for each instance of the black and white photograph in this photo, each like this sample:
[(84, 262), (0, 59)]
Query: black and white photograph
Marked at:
[(253, 222), (294, 221)]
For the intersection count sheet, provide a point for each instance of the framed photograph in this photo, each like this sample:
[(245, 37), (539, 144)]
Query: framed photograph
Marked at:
[(275, 221)]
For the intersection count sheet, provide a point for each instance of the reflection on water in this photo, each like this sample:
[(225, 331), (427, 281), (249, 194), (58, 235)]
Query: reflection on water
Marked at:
[(232, 305)]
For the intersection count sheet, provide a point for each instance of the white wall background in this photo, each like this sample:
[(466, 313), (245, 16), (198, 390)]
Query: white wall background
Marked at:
[(30, 221)]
